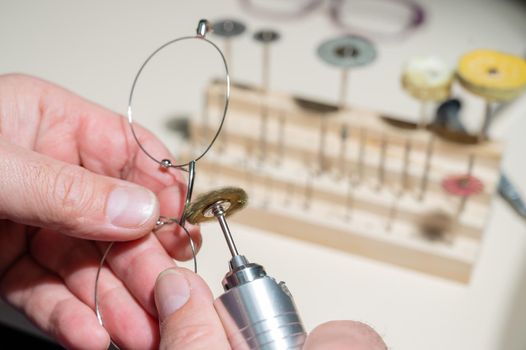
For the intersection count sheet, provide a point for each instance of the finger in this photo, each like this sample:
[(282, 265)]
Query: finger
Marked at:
[(137, 264), (173, 238), (336, 335), (186, 312), (76, 262), (64, 126), (71, 199), (49, 304), (176, 241)]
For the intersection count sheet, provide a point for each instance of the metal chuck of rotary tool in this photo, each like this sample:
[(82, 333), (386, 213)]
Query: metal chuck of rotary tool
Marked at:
[(256, 311)]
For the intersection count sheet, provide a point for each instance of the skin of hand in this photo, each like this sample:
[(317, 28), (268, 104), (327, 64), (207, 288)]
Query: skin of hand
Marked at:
[(189, 321), (72, 178)]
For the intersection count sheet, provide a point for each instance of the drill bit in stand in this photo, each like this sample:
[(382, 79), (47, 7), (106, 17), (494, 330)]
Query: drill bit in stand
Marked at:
[(361, 156), (494, 76), (488, 116), (427, 167), (266, 38), (342, 158), (428, 79), (228, 29), (405, 166), (469, 172), (281, 139), (381, 163), (346, 52), (322, 145), (463, 186)]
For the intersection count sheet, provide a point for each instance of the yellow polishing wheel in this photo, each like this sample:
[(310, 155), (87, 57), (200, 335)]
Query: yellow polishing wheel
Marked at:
[(427, 78), (492, 74)]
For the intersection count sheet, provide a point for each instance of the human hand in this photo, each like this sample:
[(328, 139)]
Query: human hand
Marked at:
[(189, 321), (71, 174)]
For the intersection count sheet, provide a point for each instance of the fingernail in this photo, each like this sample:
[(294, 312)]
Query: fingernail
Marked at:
[(172, 291), (130, 206)]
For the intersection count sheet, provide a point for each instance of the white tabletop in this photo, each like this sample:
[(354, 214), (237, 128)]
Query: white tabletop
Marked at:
[(95, 48)]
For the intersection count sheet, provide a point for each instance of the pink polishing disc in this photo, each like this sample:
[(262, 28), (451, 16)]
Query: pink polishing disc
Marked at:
[(462, 185)]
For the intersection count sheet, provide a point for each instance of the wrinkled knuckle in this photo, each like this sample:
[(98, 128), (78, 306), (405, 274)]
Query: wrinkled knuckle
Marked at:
[(73, 192), (186, 337)]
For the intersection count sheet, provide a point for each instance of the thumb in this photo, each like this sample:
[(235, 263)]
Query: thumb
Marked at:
[(41, 191), (187, 316), (337, 335)]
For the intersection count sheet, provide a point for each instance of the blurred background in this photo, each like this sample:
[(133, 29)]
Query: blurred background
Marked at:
[(95, 49)]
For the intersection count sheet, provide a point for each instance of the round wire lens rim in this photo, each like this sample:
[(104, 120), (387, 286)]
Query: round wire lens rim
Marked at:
[(417, 17), (261, 12), (162, 162)]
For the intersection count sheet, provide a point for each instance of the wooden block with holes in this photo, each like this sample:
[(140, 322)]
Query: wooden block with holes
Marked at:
[(352, 179)]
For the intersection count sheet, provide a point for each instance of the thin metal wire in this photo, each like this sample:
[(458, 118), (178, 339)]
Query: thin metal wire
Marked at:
[(97, 307), (101, 265), (227, 99), (167, 221), (189, 191)]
